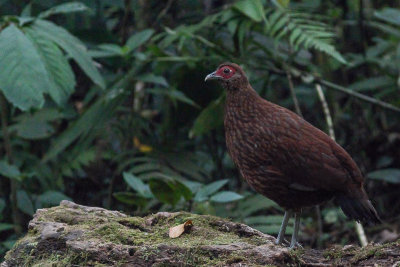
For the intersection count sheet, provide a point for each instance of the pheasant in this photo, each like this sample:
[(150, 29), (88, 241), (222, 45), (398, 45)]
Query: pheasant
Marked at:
[(285, 158)]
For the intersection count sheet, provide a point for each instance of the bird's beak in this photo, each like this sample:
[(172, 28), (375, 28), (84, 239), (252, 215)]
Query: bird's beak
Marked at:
[(212, 76)]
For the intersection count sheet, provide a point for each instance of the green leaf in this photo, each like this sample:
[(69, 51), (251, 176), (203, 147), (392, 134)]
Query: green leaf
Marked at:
[(36, 126), (139, 38), (151, 78), (184, 190), (23, 76), (33, 129), (6, 227), (106, 50), (61, 76), (255, 204), (164, 191), (50, 198), (9, 171), (209, 189), (389, 175), (73, 46), (283, 3), (251, 8), (137, 185), (130, 198), (95, 116), (2, 206), (209, 119), (391, 15), (225, 196), (24, 203), (63, 9), (27, 11), (174, 95)]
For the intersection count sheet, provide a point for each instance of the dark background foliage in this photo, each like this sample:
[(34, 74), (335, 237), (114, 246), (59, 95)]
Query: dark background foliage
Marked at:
[(104, 102)]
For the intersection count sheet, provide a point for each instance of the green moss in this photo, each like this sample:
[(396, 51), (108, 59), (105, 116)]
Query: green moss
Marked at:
[(333, 253), (374, 250), (146, 234)]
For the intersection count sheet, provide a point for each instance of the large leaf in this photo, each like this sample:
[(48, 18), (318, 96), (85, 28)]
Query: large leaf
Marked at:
[(391, 15), (61, 76), (64, 8), (139, 38), (36, 126), (210, 118), (137, 185), (174, 95), (6, 227), (9, 171), (390, 175), (24, 203), (225, 196), (95, 116), (50, 198), (72, 45), (151, 78), (23, 76), (130, 198), (209, 189), (251, 8), (164, 191)]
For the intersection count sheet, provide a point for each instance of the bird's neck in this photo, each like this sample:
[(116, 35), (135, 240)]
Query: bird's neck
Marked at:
[(243, 98)]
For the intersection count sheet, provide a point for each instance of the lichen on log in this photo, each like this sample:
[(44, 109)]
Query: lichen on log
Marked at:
[(76, 235)]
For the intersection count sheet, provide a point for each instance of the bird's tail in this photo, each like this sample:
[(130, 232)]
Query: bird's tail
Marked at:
[(360, 210)]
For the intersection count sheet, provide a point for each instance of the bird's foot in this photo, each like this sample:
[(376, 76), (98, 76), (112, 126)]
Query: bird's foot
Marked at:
[(295, 246), (292, 246)]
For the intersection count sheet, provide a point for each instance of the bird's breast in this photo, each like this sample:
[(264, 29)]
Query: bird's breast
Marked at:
[(246, 142)]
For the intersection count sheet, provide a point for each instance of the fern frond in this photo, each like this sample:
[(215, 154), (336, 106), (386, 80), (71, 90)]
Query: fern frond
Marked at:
[(75, 164), (303, 30)]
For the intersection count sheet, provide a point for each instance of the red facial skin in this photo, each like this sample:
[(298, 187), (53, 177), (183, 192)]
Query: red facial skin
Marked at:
[(220, 72)]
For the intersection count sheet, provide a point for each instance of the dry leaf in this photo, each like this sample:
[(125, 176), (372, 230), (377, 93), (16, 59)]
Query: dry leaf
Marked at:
[(178, 230)]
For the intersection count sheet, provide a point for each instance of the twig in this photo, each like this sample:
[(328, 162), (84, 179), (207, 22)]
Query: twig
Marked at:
[(293, 93), (325, 108), (315, 79), (359, 228), (360, 96)]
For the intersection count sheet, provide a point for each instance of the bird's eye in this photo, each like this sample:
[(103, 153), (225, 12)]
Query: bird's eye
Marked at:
[(226, 70)]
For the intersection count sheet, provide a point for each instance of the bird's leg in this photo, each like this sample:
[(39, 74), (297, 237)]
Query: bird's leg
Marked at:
[(282, 231), (295, 234)]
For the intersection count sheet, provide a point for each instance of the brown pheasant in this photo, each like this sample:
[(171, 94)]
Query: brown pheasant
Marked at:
[(285, 158)]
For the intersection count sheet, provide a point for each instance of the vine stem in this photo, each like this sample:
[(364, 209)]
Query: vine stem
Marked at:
[(293, 93), (359, 228), (9, 153)]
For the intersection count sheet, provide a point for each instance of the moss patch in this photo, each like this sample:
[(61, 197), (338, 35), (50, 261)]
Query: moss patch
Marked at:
[(77, 235)]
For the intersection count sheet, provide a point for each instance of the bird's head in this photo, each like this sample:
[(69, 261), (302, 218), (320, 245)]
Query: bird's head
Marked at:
[(229, 75)]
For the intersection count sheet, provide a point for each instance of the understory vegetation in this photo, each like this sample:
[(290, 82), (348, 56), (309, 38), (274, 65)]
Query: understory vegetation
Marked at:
[(104, 103)]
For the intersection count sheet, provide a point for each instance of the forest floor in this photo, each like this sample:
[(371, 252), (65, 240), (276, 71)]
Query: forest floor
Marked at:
[(76, 235)]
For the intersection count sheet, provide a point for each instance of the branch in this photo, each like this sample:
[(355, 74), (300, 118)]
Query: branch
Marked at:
[(310, 78), (358, 95), (325, 108), (293, 93)]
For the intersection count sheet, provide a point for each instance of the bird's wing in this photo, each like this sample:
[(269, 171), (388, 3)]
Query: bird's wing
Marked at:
[(309, 158)]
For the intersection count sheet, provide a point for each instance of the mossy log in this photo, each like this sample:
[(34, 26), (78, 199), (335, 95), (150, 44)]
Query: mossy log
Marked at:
[(75, 235)]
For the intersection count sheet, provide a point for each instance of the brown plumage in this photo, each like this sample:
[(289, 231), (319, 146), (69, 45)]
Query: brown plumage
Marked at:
[(285, 158)]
